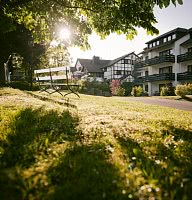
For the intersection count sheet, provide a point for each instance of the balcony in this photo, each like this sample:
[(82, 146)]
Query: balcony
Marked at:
[(154, 61), (184, 57), (139, 79), (184, 76), (156, 77)]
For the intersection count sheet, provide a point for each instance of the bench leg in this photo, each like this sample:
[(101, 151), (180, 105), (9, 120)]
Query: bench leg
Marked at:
[(71, 92)]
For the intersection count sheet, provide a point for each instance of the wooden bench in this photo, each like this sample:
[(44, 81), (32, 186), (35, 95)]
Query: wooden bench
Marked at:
[(53, 80)]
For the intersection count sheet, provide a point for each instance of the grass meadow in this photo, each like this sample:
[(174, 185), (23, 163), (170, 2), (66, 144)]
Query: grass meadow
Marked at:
[(92, 148)]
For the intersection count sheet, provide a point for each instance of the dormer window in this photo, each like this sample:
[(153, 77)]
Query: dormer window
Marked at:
[(169, 38), (173, 36)]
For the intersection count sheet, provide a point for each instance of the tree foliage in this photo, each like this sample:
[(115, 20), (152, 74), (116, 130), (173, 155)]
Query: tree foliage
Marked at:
[(54, 56), (44, 17)]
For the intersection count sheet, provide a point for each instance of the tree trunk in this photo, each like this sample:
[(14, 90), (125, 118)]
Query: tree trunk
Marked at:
[(2, 73)]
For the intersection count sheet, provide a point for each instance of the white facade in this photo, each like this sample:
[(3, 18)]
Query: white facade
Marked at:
[(159, 64), (119, 68)]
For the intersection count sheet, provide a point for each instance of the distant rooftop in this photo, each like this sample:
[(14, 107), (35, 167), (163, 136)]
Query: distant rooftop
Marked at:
[(93, 65)]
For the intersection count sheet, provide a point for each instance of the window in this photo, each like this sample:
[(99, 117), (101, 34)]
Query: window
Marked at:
[(164, 40), (139, 73), (146, 88), (128, 72), (190, 49), (105, 69), (189, 68), (127, 61), (157, 42), (173, 36), (154, 44), (165, 70), (169, 38), (166, 52), (117, 72), (146, 73)]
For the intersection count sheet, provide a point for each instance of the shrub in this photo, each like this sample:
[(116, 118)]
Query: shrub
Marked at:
[(183, 90), (93, 86), (120, 91), (189, 88), (164, 91), (23, 85), (137, 91), (128, 88), (114, 86)]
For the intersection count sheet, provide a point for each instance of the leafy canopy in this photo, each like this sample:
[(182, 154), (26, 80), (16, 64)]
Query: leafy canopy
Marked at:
[(45, 17)]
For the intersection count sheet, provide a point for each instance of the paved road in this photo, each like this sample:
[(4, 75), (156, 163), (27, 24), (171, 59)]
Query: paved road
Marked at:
[(178, 104)]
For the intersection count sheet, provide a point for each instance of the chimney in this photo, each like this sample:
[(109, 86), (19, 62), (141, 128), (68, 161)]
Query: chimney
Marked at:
[(96, 59)]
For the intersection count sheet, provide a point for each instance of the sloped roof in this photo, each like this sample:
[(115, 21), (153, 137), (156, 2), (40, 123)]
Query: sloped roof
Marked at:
[(93, 66), (168, 33), (112, 62)]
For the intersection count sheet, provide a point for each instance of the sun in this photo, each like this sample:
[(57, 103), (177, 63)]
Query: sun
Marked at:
[(64, 34)]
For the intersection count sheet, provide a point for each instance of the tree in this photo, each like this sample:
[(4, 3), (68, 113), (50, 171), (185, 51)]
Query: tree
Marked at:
[(44, 18), (19, 41), (55, 56), (83, 16)]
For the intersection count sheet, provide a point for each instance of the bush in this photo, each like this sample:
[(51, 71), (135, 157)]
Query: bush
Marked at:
[(114, 85), (183, 90), (128, 88), (23, 85), (116, 89), (164, 91), (137, 91), (189, 88), (93, 87), (120, 91)]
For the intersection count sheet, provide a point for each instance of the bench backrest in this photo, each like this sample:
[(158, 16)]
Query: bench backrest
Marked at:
[(49, 74)]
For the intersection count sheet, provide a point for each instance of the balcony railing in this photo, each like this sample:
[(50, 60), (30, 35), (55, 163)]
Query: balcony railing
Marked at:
[(156, 77), (155, 60), (184, 76), (184, 57)]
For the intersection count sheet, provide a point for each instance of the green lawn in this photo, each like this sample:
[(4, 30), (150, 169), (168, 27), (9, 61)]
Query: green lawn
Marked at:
[(92, 148)]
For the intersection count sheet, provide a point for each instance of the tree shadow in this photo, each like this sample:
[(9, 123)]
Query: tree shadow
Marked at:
[(31, 134), (33, 131), (85, 173), (164, 167), (65, 101), (187, 98)]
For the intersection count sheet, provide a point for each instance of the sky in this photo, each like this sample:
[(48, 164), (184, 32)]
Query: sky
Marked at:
[(115, 46)]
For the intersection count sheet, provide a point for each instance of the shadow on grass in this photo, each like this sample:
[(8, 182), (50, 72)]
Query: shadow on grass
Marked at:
[(80, 172), (187, 98), (66, 101), (32, 131), (85, 173), (170, 172), (31, 134)]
